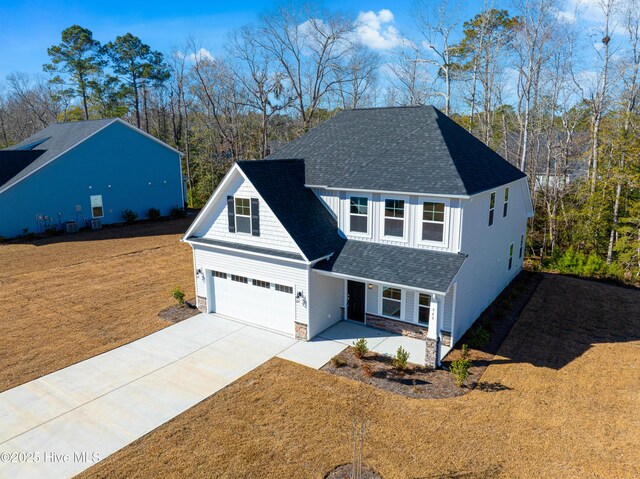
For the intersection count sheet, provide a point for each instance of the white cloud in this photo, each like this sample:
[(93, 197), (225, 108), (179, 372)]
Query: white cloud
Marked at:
[(376, 30), (565, 16), (202, 54)]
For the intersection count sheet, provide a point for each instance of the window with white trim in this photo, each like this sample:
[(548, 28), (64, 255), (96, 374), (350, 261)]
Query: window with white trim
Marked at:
[(492, 206), (97, 211), (219, 274), (424, 308), (358, 214), (284, 289), (391, 302), (261, 284), (394, 218), (243, 215), (432, 221), (521, 246), (505, 207), (239, 279), (510, 256)]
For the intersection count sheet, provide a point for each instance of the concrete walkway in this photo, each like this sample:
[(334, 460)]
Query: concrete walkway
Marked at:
[(58, 425)]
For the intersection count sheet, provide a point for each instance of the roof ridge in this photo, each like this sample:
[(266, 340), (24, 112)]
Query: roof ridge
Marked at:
[(389, 107)]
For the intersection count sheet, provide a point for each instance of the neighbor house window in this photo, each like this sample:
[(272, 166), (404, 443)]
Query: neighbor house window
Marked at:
[(261, 284), (492, 206), (96, 207), (521, 246), (358, 211), (243, 215), (506, 202), (432, 221), (510, 256), (239, 279), (424, 307), (218, 274), (284, 289), (394, 218), (391, 302)]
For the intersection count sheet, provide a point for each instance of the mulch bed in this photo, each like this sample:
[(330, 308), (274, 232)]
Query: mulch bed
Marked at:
[(421, 382), (345, 472), (177, 313)]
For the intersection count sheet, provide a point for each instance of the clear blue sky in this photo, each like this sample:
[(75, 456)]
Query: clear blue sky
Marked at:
[(29, 27)]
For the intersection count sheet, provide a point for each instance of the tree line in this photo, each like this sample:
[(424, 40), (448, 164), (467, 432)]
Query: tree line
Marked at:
[(557, 100)]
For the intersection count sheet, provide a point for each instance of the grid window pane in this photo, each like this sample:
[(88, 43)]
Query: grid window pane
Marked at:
[(433, 211), (394, 208), (358, 206), (506, 194), (243, 206), (424, 300), (392, 293), (492, 202)]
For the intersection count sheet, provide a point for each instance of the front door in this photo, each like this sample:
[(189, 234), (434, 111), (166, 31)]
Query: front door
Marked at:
[(355, 300)]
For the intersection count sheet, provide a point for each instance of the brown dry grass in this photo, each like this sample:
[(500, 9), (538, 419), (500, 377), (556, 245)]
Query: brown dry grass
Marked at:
[(66, 299), (571, 362)]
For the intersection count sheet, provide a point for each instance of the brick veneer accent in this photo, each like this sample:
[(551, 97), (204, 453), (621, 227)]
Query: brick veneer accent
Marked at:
[(301, 331), (446, 339), (201, 303), (410, 330)]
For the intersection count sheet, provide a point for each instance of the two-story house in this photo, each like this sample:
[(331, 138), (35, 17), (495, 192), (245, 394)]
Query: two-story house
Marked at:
[(397, 218)]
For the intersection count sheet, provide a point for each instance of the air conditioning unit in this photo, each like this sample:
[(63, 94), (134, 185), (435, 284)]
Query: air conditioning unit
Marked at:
[(70, 227), (96, 224)]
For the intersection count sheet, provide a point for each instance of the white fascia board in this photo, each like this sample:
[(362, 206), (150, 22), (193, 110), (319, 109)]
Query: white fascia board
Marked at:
[(196, 245), (387, 192), (377, 281), (2, 190)]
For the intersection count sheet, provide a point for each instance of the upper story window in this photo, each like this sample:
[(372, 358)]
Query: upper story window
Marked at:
[(492, 207), (358, 214), (391, 302), (510, 256), (243, 215), (521, 246), (394, 218), (424, 307), (506, 202), (432, 221)]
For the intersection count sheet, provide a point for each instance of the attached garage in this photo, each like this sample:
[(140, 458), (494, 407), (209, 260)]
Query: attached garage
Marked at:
[(262, 303)]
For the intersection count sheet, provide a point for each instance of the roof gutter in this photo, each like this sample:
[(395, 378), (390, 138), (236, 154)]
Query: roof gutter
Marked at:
[(360, 190), (377, 281)]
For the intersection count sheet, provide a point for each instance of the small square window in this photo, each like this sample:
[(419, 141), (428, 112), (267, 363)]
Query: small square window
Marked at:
[(284, 289), (261, 284), (218, 274), (239, 279)]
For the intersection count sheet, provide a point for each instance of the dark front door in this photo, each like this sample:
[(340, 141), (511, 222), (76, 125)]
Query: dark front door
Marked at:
[(355, 300)]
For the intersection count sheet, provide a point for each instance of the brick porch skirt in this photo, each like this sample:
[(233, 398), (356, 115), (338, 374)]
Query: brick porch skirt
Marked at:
[(201, 303)]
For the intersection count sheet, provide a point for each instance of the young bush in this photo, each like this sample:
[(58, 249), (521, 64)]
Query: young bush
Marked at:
[(401, 359), (153, 214), (177, 212), (367, 370), (479, 337), (129, 216), (460, 367), (360, 348), (338, 362), (178, 295)]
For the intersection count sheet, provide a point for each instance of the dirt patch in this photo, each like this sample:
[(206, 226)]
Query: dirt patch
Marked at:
[(346, 472), (570, 363), (68, 298), (177, 313)]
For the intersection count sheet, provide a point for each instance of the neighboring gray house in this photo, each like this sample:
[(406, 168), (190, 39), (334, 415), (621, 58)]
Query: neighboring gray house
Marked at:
[(393, 217)]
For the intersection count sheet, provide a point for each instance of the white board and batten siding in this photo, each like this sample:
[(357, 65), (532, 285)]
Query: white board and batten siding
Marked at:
[(272, 233), (485, 272)]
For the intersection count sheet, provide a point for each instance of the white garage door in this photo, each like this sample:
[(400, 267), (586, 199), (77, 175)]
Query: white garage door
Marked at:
[(257, 302)]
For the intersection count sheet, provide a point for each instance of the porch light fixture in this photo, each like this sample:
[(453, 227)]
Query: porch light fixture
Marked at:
[(198, 272), (370, 286)]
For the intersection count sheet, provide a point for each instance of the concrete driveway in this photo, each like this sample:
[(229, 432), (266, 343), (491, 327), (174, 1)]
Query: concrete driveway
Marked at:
[(62, 423)]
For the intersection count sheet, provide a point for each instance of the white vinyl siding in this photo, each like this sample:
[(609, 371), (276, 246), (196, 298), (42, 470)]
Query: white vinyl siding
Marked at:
[(325, 302)]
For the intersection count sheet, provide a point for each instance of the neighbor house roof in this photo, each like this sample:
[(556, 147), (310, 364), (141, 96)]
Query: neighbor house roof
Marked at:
[(399, 149), (13, 162), (414, 267), (281, 186)]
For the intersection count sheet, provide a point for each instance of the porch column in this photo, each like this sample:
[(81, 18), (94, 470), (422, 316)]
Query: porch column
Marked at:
[(433, 335)]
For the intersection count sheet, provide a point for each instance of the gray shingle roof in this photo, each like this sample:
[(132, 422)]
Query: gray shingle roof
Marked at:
[(281, 185), (406, 149), (243, 247), (57, 138), (413, 267)]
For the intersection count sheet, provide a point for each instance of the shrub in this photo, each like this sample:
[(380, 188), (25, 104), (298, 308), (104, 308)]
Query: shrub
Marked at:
[(153, 214), (178, 295), (400, 359), (129, 216), (479, 337), (338, 362), (360, 348), (177, 212), (367, 370), (460, 367)]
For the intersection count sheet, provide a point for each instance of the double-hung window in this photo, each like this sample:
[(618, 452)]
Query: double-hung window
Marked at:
[(521, 246), (492, 207), (358, 214), (391, 302), (505, 208), (394, 218), (424, 307), (510, 256), (243, 215), (432, 221)]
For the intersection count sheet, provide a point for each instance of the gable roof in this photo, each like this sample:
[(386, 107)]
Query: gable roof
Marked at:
[(299, 210), (397, 265), (399, 149), (56, 140)]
